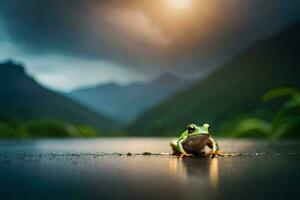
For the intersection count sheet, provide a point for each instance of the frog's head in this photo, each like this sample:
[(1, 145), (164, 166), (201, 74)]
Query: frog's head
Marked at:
[(191, 128)]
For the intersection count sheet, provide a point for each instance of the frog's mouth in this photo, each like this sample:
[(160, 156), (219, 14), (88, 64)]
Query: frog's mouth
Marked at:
[(197, 134)]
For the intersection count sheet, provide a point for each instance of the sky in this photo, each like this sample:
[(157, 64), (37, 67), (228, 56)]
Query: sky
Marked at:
[(69, 44)]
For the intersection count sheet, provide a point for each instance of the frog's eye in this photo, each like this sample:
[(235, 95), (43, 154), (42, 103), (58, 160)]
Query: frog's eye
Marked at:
[(191, 128)]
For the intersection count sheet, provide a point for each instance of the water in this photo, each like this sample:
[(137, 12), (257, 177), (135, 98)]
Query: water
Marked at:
[(101, 169)]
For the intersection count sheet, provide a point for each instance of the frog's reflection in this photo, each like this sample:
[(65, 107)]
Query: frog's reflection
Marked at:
[(205, 169), (214, 173)]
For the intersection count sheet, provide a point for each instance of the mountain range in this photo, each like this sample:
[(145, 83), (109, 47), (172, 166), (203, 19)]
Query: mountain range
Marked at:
[(165, 105), (125, 103), (232, 90), (21, 97)]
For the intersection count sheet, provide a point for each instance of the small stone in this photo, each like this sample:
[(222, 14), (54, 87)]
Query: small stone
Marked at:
[(147, 153), (129, 154)]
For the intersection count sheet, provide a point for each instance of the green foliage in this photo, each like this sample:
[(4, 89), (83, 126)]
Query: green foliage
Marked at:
[(279, 92), (12, 130), (252, 127), (16, 129), (87, 131), (285, 122)]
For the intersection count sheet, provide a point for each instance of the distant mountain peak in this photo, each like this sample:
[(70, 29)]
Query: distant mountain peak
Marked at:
[(23, 98), (125, 103), (103, 87), (110, 85), (10, 66)]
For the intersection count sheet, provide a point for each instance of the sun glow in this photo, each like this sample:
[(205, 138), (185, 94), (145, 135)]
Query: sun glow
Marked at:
[(180, 4)]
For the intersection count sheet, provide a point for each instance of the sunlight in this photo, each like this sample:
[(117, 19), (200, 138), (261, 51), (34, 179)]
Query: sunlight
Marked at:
[(180, 4)]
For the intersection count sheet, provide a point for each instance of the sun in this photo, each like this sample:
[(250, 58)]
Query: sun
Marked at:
[(180, 4)]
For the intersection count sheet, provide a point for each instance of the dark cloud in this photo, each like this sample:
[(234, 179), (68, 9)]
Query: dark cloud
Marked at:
[(144, 34)]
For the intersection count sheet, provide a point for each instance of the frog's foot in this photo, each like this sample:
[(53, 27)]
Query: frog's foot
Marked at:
[(186, 155), (176, 153)]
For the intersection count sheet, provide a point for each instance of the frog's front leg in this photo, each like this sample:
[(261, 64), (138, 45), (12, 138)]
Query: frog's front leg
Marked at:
[(181, 150), (214, 146), (174, 147), (178, 149)]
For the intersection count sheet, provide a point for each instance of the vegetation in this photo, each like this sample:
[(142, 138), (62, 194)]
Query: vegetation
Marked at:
[(285, 122), (281, 123), (16, 129)]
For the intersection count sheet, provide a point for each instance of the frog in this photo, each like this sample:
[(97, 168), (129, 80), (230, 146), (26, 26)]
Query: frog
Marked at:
[(192, 142)]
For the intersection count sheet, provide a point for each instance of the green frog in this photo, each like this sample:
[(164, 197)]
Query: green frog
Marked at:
[(193, 141)]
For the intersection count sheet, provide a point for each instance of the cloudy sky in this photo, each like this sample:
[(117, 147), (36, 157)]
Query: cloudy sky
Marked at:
[(68, 44)]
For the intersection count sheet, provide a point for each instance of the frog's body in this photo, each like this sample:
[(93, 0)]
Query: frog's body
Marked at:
[(194, 140), (196, 144)]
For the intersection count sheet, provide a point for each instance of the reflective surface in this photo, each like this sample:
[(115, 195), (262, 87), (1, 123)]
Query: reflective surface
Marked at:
[(101, 169)]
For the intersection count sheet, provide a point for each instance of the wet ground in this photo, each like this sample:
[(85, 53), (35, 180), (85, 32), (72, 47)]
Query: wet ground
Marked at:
[(103, 169)]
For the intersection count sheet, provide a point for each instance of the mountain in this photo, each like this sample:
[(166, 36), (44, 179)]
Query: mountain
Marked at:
[(21, 97), (125, 103), (232, 90)]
